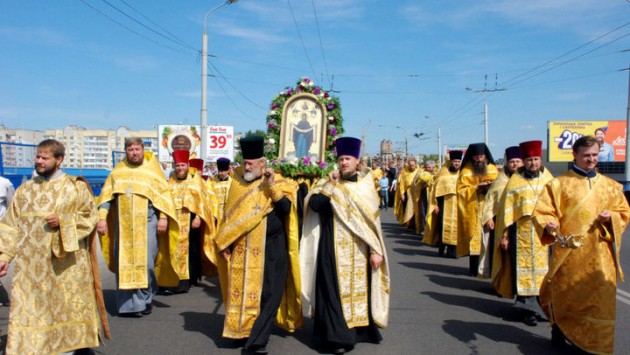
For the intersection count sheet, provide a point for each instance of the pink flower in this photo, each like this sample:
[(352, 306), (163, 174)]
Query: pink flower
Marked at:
[(306, 160), (331, 105), (332, 131), (323, 164)]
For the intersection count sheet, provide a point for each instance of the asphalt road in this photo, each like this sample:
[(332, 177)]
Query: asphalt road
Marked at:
[(435, 308)]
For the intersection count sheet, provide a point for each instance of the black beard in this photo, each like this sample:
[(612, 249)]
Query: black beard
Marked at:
[(453, 169), (480, 167)]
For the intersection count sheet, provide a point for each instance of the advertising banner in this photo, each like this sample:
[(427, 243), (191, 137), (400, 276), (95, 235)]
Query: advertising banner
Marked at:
[(220, 143), (562, 135), (177, 137)]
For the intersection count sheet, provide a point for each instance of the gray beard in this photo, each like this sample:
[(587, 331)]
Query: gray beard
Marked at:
[(250, 176)]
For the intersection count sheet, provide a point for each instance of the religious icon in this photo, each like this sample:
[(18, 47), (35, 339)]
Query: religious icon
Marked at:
[(303, 130)]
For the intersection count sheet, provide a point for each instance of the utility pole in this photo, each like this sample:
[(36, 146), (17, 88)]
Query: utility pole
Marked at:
[(485, 92)]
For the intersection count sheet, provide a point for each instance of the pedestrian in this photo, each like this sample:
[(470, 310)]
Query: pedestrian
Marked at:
[(383, 184), (46, 231), (135, 206), (6, 195), (258, 243), (345, 276), (582, 215)]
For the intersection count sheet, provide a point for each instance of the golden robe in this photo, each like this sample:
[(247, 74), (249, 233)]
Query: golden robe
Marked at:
[(490, 210), (445, 186), (470, 202), (578, 293), (135, 186), (220, 189), (53, 302), (404, 211), (422, 181), (189, 196), (517, 204), (357, 231), (244, 230)]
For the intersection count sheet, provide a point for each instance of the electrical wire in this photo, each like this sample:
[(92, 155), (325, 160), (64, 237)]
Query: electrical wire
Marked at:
[(302, 40), (321, 45)]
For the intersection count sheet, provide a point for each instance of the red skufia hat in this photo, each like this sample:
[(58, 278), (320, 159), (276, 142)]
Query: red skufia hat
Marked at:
[(196, 163), (531, 149), (181, 156)]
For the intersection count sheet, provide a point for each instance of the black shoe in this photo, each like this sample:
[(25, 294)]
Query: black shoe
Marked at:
[(130, 314), (257, 349), (558, 340), (147, 310), (84, 351), (338, 351), (530, 319)]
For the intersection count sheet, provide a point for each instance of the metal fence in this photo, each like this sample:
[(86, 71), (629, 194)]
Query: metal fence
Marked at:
[(14, 156)]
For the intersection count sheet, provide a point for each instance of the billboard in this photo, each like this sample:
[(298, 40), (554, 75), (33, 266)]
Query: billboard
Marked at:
[(562, 135), (220, 143), (176, 137)]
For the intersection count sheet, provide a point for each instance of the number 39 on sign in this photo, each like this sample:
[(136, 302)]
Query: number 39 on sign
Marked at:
[(220, 143)]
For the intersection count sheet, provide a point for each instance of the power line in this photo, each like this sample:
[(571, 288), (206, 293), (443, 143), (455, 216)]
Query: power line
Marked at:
[(143, 25), (130, 29), (301, 40), (564, 55), (321, 45), (570, 60), (234, 87), (181, 41)]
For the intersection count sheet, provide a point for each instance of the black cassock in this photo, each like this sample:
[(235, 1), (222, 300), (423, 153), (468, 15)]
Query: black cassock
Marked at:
[(330, 328)]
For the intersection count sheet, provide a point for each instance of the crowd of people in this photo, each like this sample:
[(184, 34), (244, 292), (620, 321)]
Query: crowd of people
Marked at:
[(550, 244), (283, 251)]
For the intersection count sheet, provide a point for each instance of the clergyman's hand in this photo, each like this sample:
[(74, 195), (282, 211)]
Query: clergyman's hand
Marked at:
[(504, 243), (270, 175), (4, 268), (101, 227), (52, 221), (334, 176), (604, 217), (196, 223), (552, 228), (162, 225), (490, 225), (226, 254), (376, 260), (436, 211)]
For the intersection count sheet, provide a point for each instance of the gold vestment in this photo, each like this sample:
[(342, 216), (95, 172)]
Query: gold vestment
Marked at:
[(189, 196), (423, 180), (244, 231), (220, 189), (357, 232), (516, 206), (445, 185), (578, 293), (470, 201), (403, 210), (134, 186), (53, 301), (490, 210)]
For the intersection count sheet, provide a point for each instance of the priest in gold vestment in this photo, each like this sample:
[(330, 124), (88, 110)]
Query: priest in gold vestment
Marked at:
[(135, 206), (404, 204), (45, 232), (583, 215), (258, 244), (520, 261), (194, 254), (513, 161), (477, 173), (221, 185), (442, 208), (420, 187), (345, 276)]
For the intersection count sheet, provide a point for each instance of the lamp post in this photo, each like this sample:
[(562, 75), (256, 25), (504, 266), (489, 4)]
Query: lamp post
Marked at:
[(439, 139), (406, 142), (204, 80)]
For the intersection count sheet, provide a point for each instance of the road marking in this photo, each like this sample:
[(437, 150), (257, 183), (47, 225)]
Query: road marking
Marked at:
[(621, 296), (623, 293)]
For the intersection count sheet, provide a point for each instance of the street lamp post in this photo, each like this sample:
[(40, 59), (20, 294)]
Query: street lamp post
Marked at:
[(406, 142), (204, 80), (439, 139)]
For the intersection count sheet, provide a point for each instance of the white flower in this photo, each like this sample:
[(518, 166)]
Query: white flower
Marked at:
[(271, 141), (293, 160), (282, 93), (311, 83), (271, 113)]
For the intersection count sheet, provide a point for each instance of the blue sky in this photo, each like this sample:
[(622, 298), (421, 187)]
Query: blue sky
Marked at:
[(392, 62)]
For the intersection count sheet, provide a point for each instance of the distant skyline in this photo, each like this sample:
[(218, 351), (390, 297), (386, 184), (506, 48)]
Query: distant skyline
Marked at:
[(110, 63)]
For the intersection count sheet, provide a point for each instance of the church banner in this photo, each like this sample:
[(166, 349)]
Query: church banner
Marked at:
[(611, 134)]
